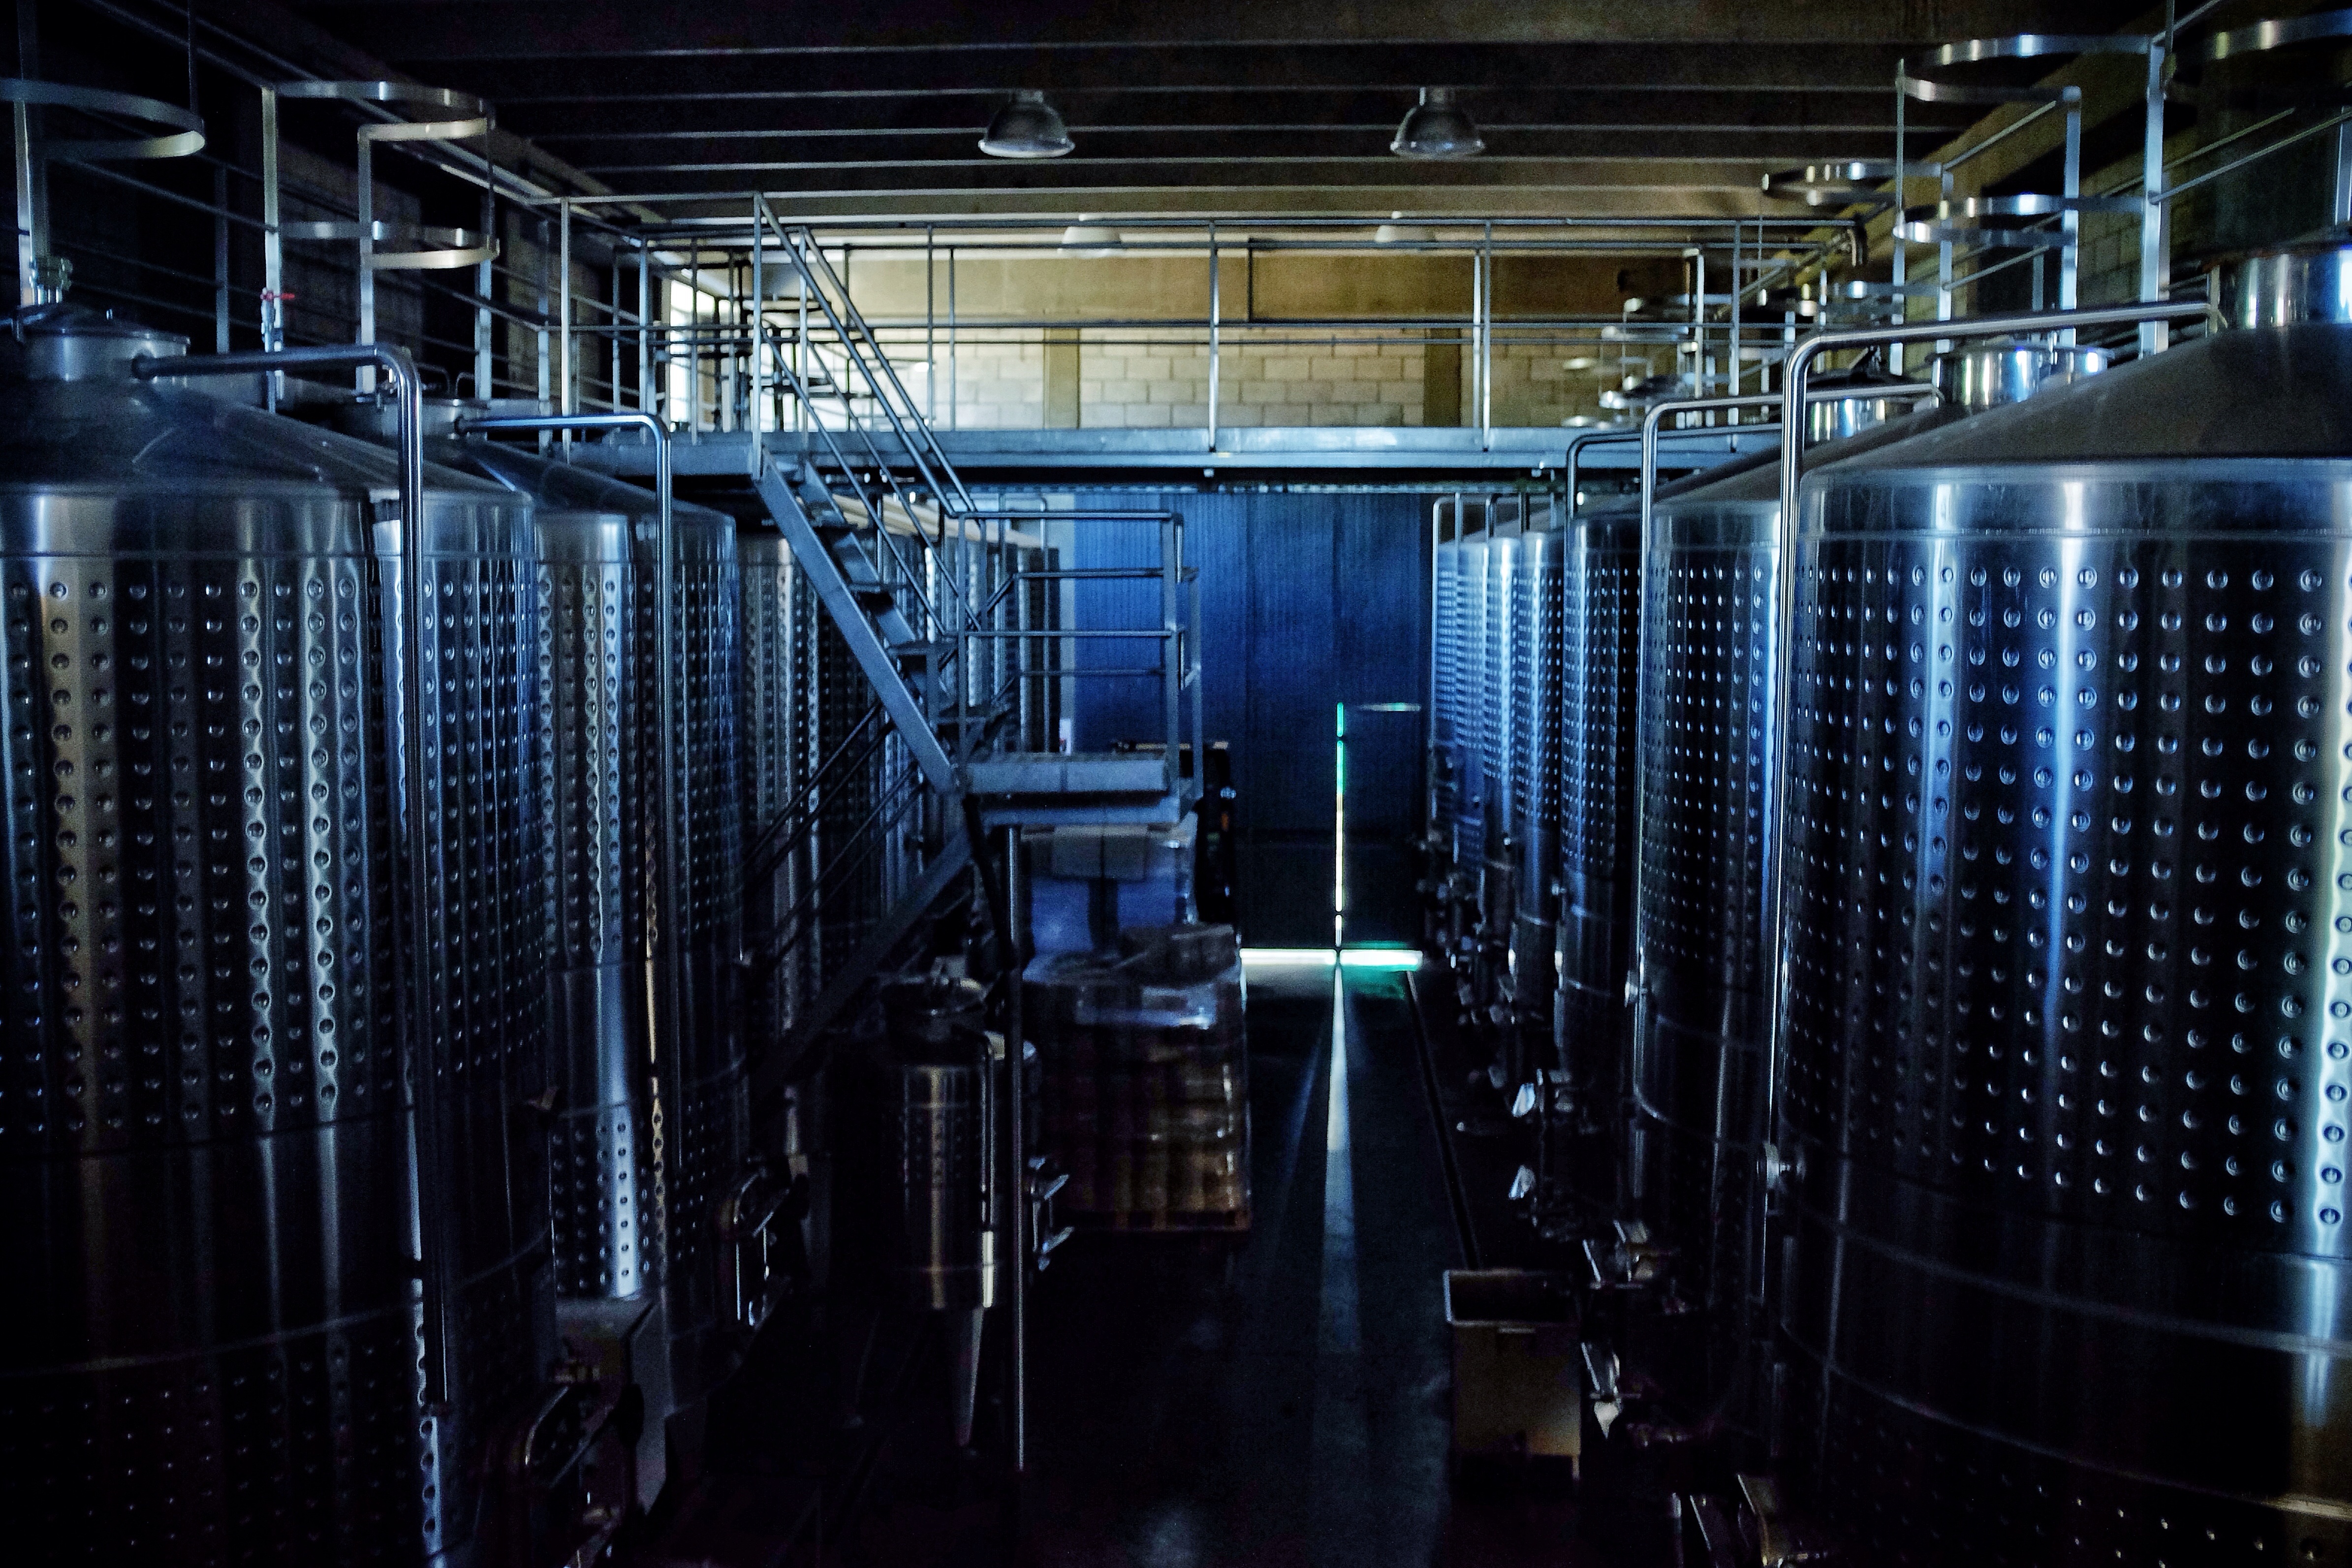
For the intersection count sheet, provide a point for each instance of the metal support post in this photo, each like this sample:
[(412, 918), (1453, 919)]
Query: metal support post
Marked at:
[(1018, 1242), (930, 327), (1484, 331), (644, 328), (1216, 302), (758, 410)]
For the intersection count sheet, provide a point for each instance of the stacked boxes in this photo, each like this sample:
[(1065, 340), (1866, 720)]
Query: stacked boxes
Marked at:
[(1143, 1071), (1087, 884)]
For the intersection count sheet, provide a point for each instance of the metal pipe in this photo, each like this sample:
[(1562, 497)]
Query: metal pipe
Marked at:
[(423, 1062)]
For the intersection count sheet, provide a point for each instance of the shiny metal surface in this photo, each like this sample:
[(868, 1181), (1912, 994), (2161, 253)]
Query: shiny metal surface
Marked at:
[(778, 728), (204, 1141), (1445, 699), (1498, 652), (927, 1097), (650, 1130), (2066, 1057), (1537, 699), (1696, 1071), (1470, 684), (1601, 609), (1993, 375), (2280, 288)]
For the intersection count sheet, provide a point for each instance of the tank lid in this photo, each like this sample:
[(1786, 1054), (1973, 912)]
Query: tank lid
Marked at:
[(2274, 393), (65, 342), (2284, 285), (1994, 375)]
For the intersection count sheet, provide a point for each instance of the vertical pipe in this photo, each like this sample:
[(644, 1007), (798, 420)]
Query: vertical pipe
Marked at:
[(32, 165), (273, 251), (1015, 1180), (644, 328), (931, 327), (1485, 341), (2153, 283), (28, 250), (1900, 247), (612, 342), (1171, 674), (365, 189), (1944, 258), (1216, 302), (758, 326), (220, 261), (2342, 210), (2070, 222), (1701, 368), (951, 336), (1736, 291), (485, 325), (567, 393), (539, 301)]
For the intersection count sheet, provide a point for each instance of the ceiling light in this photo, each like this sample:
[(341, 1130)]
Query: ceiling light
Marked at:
[(1027, 127), (1400, 233), (1580, 362), (1436, 128)]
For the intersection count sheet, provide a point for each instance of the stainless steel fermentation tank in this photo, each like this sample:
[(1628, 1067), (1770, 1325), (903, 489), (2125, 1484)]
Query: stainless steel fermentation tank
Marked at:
[(1536, 657), (1458, 617), (652, 1128), (207, 1181), (1701, 966), (778, 727), (1496, 652), (1599, 634), (2069, 920)]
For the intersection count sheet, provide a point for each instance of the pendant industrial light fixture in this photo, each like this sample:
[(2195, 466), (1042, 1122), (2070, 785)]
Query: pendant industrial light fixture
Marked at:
[(1437, 128), (1028, 127)]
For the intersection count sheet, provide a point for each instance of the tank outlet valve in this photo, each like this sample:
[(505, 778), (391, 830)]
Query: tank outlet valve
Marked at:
[(1782, 1171)]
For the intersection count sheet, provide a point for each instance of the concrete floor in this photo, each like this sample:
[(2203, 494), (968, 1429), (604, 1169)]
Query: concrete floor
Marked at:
[(1289, 1410), (1280, 1399)]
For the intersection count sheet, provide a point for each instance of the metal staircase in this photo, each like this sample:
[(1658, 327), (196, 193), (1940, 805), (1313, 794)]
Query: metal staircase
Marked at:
[(950, 611)]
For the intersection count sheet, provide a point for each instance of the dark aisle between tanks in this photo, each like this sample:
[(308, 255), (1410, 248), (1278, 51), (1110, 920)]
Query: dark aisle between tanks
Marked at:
[(1280, 1400)]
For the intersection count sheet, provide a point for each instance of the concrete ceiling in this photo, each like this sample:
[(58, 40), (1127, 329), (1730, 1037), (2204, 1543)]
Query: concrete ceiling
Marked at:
[(1589, 107)]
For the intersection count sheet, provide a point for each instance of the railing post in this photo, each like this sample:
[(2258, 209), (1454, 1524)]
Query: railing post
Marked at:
[(1216, 300)]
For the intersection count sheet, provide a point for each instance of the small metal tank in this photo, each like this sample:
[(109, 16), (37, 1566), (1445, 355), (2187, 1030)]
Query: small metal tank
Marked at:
[(206, 1183), (917, 1170), (2068, 1057), (1537, 695), (652, 1130)]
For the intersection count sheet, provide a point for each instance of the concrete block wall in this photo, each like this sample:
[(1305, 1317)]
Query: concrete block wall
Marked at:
[(1144, 380)]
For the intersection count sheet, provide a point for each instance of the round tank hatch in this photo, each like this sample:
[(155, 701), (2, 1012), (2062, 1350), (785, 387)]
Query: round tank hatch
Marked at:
[(73, 342), (2282, 286)]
